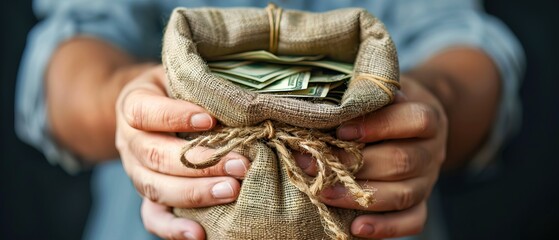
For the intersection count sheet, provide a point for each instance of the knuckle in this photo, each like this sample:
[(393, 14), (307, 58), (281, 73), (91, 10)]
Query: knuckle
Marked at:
[(135, 116), (424, 118), (151, 192), (211, 171), (205, 171), (389, 231), (170, 120), (405, 198), (155, 158), (146, 189), (193, 198), (402, 161)]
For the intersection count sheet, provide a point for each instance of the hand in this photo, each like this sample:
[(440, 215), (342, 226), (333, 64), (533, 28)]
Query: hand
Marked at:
[(407, 145), (146, 122)]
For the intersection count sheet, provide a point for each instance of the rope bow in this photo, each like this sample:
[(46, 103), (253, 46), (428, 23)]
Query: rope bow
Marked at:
[(282, 138)]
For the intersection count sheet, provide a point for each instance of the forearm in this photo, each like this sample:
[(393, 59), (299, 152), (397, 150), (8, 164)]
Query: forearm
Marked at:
[(467, 83), (83, 80)]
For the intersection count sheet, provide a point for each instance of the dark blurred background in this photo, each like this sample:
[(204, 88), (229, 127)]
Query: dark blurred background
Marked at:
[(37, 200), (519, 201)]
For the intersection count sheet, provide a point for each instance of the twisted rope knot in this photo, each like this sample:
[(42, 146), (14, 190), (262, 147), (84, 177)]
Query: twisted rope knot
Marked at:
[(269, 128), (284, 138)]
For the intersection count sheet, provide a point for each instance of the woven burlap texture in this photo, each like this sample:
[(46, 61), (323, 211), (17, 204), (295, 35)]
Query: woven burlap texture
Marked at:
[(269, 205)]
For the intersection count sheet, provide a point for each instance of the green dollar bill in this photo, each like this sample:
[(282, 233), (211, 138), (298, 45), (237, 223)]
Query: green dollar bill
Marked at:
[(328, 64), (240, 80), (228, 64), (312, 91), (256, 85), (257, 71), (315, 61), (287, 76), (263, 55), (322, 77), (296, 81)]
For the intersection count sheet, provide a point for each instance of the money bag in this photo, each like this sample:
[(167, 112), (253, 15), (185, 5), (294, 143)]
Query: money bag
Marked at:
[(277, 199)]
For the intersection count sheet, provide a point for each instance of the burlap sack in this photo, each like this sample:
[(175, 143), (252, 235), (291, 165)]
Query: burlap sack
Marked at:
[(277, 200)]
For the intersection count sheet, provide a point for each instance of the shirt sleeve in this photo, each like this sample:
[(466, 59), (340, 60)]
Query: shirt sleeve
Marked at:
[(133, 26), (423, 28)]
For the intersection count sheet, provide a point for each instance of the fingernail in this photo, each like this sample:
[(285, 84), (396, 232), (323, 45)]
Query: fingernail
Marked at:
[(236, 168), (334, 192), (201, 121), (348, 132), (189, 236), (222, 190), (365, 230)]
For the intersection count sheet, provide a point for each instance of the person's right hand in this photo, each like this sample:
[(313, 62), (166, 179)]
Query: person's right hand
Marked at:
[(146, 122)]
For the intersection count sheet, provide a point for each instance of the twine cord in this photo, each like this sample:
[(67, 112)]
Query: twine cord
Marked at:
[(379, 81), (274, 18), (284, 138)]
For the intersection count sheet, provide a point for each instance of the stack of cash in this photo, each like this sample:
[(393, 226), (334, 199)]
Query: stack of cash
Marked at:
[(310, 77)]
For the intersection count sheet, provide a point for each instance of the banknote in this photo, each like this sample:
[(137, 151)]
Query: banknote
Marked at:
[(298, 81), (313, 91), (319, 76), (315, 61), (329, 64), (258, 71), (228, 64), (311, 77), (283, 76), (263, 55)]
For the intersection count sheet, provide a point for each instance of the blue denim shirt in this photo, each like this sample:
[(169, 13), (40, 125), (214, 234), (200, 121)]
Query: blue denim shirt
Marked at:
[(419, 28)]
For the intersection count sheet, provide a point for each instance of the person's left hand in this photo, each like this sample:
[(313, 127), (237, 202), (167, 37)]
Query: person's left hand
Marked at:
[(147, 120), (407, 146)]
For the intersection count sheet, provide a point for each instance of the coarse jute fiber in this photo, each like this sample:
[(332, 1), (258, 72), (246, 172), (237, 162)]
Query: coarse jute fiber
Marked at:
[(277, 199)]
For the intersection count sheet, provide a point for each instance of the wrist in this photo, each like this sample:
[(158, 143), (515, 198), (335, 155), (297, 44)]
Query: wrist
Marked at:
[(82, 83), (466, 82)]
